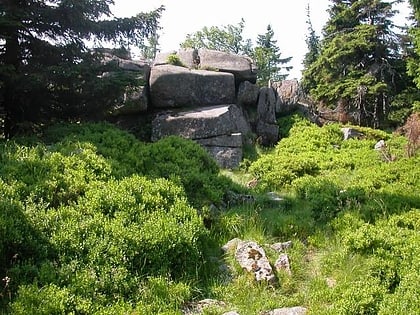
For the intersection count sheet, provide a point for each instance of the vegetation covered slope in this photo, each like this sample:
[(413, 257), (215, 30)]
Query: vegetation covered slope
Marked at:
[(92, 221)]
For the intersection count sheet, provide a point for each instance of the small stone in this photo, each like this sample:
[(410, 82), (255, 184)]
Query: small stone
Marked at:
[(282, 263)]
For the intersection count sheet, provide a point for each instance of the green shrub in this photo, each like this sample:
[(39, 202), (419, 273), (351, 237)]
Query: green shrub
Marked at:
[(47, 300), (187, 163), (173, 59), (181, 160), (119, 232), (358, 297), (19, 239)]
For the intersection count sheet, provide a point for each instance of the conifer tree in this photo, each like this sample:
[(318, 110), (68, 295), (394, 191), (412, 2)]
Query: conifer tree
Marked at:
[(413, 64), (312, 43), (45, 65), (358, 64), (268, 59)]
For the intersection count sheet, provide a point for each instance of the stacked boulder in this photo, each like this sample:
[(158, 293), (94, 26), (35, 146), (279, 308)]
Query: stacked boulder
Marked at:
[(199, 98), (134, 100), (208, 96)]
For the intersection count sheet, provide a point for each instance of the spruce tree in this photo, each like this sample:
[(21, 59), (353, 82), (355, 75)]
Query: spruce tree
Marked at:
[(268, 59), (312, 43), (358, 64), (45, 65), (414, 60)]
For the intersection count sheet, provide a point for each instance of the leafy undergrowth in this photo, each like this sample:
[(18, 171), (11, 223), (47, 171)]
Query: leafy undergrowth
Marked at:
[(93, 221)]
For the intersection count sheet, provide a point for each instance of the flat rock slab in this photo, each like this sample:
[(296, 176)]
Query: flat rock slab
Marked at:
[(177, 87), (202, 123), (219, 129)]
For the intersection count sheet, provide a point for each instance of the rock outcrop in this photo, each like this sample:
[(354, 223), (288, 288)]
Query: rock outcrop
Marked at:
[(267, 128), (177, 87), (208, 96), (201, 93), (242, 67), (220, 129), (134, 100), (288, 96)]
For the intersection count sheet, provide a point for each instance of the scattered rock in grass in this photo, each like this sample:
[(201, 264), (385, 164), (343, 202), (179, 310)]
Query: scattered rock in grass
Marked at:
[(274, 196), (252, 258), (380, 145), (331, 282), (297, 310), (196, 308), (234, 199), (351, 133), (283, 263), (280, 247), (231, 245)]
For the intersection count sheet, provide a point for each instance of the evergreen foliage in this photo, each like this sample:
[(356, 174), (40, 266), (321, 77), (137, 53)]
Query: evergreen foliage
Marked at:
[(359, 65), (312, 42), (413, 64), (268, 59), (47, 70)]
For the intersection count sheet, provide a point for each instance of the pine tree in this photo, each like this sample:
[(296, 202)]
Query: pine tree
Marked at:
[(268, 59), (358, 64), (45, 65)]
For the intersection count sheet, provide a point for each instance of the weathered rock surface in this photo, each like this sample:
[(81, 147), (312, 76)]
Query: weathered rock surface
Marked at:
[(242, 67), (280, 247), (351, 133), (268, 134), (174, 86), (252, 258), (219, 129), (288, 94), (248, 94), (202, 123), (282, 264), (199, 307), (267, 129), (297, 310), (134, 100)]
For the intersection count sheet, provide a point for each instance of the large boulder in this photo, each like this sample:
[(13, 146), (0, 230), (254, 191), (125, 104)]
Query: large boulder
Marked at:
[(219, 129), (266, 105), (267, 129), (242, 67), (202, 123), (175, 86), (288, 95), (188, 57), (133, 100), (248, 94)]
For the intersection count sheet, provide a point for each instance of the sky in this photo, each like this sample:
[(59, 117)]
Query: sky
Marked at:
[(287, 18)]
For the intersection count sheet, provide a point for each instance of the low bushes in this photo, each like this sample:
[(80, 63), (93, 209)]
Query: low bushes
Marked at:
[(85, 224)]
